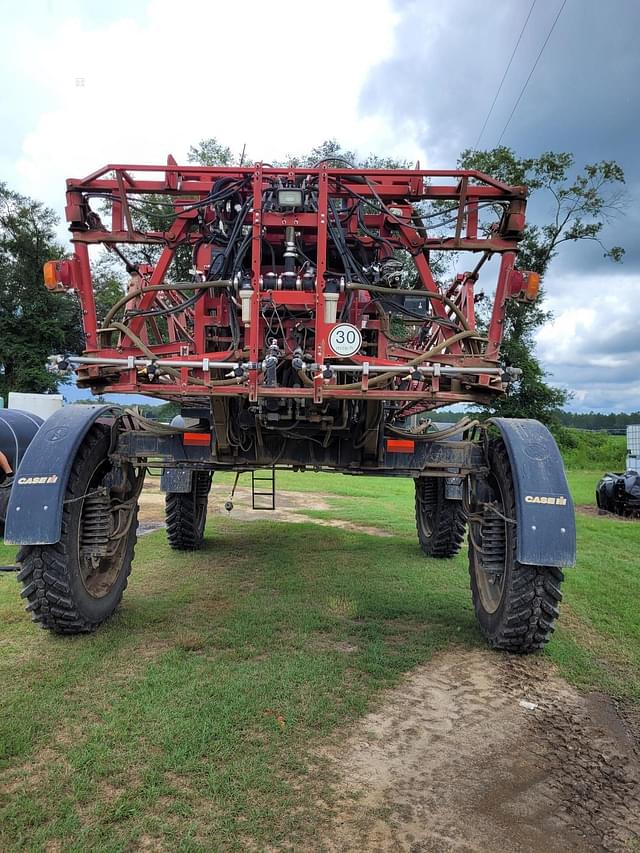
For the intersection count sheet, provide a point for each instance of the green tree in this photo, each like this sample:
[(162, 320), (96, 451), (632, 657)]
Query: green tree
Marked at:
[(580, 206), (332, 152), (210, 152), (33, 322), (108, 284)]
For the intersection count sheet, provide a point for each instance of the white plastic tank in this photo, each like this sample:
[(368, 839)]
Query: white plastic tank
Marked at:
[(43, 405), (633, 447)]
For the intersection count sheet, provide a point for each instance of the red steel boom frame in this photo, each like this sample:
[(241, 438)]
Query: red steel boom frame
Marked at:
[(178, 339)]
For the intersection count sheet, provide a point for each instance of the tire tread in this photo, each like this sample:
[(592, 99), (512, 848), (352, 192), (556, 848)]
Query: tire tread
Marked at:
[(450, 525), (181, 514), (43, 572), (532, 600)]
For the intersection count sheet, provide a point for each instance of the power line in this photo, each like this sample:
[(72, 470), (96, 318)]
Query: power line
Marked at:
[(526, 82), (504, 76)]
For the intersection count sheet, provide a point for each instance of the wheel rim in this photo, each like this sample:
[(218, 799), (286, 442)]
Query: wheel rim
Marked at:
[(427, 502), (103, 535), (490, 564)]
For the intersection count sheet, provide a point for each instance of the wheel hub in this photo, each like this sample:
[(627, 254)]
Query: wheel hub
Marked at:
[(491, 556), (103, 534)]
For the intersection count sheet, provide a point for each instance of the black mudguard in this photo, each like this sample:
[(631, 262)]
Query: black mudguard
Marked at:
[(34, 514), (544, 507)]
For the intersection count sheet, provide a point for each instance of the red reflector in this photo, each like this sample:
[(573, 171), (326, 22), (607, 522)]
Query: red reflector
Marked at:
[(201, 439), (400, 445)]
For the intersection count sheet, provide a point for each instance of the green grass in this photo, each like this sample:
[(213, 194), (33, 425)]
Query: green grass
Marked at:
[(593, 450), (190, 719), (583, 486)]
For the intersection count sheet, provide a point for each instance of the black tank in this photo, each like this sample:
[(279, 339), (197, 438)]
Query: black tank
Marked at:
[(17, 429)]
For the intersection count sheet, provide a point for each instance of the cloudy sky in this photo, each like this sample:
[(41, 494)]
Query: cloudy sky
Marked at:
[(87, 84)]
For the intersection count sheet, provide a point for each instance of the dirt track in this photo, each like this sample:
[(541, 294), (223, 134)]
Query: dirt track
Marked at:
[(289, 509), (453, 762)]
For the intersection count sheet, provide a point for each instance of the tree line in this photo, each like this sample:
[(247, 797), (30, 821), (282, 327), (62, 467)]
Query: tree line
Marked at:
[(597, 420)]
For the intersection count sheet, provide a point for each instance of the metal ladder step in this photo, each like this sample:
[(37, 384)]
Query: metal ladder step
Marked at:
[(270, 480)]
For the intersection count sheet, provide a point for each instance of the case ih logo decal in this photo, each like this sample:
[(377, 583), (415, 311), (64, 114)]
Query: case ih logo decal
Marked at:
[(544, 499), (38, 481), (57, 433)]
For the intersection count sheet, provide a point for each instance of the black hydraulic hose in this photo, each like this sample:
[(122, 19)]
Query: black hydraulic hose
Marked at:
[(388, 305), (231, 239), (178, 285), (337, 235), (352, 267), (273, 253), (376, 237), (213, 197), (399, 291), (199, 286), (382, 208), (233, 320), (170, 309), (240, 254), (462, 425), (348, 302)]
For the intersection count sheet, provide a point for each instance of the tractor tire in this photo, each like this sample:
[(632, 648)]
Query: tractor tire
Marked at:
[(515, 604), (186, 513), (70, 588), (441, 523)]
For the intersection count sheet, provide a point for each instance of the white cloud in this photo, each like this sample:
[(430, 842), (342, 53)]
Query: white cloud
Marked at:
[(557, 340), (592, 345), (280, 76)]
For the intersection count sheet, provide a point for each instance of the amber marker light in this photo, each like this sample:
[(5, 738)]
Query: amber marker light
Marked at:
[(50, 272), (533, 286)]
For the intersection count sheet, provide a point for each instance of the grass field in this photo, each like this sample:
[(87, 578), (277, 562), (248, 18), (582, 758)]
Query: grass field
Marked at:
[(593, 451), (192, 719)]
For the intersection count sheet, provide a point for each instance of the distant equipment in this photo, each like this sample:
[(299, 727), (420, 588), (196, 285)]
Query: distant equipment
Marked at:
[(620, 494), (633, 447)]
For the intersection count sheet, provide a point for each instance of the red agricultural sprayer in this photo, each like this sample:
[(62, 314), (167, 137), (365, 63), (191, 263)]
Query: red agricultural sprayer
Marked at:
[(295, 316)]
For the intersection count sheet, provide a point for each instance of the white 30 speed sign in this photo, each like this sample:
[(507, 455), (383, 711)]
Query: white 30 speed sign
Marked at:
[(345, 339)]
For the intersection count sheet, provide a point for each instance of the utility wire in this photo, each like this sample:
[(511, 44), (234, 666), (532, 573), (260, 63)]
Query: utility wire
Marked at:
[(526, 82), (504, 77)]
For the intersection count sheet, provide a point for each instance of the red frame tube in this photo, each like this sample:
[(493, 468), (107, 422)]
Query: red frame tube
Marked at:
[(188, 332)]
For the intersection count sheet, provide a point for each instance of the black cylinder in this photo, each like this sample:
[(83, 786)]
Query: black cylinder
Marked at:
[(17, 430)]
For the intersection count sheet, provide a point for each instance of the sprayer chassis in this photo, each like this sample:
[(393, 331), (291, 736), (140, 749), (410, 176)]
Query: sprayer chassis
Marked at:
[(294, 315)]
